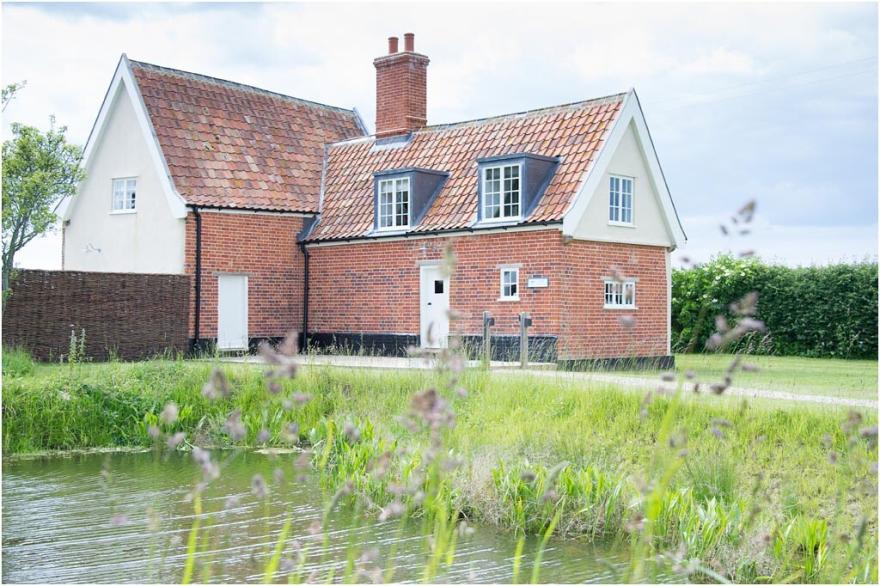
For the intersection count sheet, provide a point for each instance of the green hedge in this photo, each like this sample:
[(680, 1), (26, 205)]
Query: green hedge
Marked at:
[(811, 311)]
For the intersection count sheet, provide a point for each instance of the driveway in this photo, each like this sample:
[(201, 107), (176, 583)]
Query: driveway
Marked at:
[(549, 370)]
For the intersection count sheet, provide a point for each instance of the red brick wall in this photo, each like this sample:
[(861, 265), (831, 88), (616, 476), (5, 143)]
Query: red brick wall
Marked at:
[(589, 330), (374, 287), (401, 93), (264, 247), (132, 316)]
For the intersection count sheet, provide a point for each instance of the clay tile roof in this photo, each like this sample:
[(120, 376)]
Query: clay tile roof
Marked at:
[(234, 146), (573, 132)]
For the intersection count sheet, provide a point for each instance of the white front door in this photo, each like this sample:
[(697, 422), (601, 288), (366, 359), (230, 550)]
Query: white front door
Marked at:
[(232, 319), (434, 303)]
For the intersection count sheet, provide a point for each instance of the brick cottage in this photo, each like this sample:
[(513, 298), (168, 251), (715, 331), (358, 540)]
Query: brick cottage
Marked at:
[(288, 215)]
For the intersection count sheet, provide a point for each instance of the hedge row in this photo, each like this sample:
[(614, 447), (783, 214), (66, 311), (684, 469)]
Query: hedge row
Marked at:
[(828, 311)]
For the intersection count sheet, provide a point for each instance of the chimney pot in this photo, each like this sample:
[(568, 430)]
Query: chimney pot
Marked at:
[(392, 45), (409, 43)]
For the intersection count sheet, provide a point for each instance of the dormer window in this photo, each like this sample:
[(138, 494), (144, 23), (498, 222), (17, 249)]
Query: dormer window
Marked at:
[(394, 203), (511, 185), (402, 197), (502, 192)]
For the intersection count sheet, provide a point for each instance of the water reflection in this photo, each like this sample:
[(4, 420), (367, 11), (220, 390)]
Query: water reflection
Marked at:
[(63, 521)]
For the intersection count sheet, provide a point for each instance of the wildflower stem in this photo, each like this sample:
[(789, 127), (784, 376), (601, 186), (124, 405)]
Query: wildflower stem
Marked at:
[(192, 541)]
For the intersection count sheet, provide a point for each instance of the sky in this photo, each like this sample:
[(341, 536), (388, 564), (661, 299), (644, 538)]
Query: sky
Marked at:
[(771, 102)]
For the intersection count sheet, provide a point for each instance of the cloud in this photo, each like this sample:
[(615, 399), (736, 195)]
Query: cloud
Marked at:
[(774, 101), (801, 245)]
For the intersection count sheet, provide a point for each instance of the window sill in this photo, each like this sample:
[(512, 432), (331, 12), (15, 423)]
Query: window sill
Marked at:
[(122, 212), (622, 224), (501, 299), (506, 222), (390, 231), (618, 307)]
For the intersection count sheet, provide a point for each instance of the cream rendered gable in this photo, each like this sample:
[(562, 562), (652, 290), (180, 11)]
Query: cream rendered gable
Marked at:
[(649, 225), (150, 240), (629, 152)]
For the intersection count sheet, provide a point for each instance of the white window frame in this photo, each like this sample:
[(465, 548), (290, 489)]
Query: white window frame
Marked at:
[(616, 209), (396, 190), (483, 191), (614, 294), (127, 205), (502, 296)]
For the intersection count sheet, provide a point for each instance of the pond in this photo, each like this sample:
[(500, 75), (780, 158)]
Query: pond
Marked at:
[(65, 521)]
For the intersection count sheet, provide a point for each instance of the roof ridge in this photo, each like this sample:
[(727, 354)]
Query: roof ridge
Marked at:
[(477, 121), (524, 113), (234, 85)]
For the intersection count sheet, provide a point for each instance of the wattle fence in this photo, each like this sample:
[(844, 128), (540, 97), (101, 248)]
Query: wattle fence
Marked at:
[(124, 315)]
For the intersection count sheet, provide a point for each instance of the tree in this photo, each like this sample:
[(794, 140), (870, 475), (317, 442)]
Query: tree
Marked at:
[(39, 170), (9, 91)]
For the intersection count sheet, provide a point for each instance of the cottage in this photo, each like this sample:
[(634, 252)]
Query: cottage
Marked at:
[(288, 215)]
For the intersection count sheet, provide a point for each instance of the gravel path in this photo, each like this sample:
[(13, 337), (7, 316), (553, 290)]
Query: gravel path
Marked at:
[(548, 370)]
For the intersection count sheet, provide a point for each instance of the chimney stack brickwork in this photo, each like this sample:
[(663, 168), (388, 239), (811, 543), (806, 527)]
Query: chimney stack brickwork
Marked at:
[(401, 89)]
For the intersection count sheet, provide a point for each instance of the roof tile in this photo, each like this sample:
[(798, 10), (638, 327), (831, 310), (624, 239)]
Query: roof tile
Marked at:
[(574, 133), (231, 145)]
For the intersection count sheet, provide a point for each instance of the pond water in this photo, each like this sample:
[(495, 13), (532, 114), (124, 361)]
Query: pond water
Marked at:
[(63, 521)]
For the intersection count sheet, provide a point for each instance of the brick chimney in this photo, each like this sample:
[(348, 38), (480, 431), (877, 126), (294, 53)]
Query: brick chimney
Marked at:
[(401, 89)]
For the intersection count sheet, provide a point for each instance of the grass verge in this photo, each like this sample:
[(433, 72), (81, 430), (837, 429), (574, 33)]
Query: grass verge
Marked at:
[(851, 379)]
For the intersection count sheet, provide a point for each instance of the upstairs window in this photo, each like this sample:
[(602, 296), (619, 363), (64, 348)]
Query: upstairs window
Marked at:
[(124, 195), (620, 210), (394, 203), (501, 192), (620, 294)]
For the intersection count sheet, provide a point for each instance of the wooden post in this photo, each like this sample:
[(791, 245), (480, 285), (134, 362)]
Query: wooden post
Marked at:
[(524, 322), (487, 338)]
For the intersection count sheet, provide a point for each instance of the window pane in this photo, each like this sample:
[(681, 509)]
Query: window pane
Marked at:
[(509, 285), (492, 193), (614, 200), (629, 294), (626, 200), (511, 191), (386, 204)]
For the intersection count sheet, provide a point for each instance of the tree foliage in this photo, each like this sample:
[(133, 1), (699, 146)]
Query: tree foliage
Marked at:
[(828, 311), (39, 170)]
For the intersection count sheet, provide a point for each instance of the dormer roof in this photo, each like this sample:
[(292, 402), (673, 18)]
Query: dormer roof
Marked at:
[(573, 134)]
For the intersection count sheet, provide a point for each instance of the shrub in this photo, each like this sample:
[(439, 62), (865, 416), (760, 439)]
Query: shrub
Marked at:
[(828, 311)]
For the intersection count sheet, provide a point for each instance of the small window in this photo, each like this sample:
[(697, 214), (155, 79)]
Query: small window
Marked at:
[(124, 194), (394, 203), (501, 192), (510, 284), (620, 294), (620, 209), (438, 286)]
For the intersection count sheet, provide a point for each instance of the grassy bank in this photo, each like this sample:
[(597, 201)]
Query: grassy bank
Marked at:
[(809, 479)]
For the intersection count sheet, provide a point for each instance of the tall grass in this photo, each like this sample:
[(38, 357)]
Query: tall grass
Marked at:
[(510, 435), (17, 362)]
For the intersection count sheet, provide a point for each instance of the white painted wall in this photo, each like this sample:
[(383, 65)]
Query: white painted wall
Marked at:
[(648, 217), (151, 240)]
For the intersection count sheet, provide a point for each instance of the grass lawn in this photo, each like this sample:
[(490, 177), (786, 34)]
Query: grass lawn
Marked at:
[(731, 454), (854, 379)]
